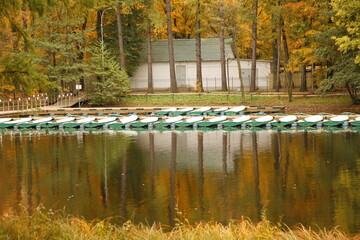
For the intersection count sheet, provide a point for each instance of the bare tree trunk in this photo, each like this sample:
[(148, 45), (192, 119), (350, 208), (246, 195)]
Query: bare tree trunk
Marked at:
[(253, 51), (224, 86), (239, 65), (278, 80), (120, 37), (303, 87), (149, 59), (199, 82), (173, 85), (288, 75), (274, 61)]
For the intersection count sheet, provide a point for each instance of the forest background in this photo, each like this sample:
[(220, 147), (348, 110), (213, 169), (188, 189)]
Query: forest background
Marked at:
[(52, 46)]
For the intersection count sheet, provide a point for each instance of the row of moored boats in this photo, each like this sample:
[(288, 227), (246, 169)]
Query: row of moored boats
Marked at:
[(205, 117)]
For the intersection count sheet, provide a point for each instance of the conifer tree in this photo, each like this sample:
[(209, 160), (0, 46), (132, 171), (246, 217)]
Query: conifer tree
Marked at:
[(108, 81)]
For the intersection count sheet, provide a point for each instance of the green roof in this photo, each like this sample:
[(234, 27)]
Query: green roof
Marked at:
[(185, 50)]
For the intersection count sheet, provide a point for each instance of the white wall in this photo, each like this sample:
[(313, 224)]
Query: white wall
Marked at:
[(211, 75)]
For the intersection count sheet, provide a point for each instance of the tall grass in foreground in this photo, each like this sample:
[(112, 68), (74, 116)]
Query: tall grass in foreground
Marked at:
[(52, 225)]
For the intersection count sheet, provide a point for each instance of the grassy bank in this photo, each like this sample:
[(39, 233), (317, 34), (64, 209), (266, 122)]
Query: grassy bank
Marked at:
[(300, 103), (51, 225)]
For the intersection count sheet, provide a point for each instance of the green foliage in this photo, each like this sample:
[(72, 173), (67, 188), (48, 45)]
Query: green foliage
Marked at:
[(133, 35), (108, 82), (344, 73), (62, 45), (20, 75), (347, 16)]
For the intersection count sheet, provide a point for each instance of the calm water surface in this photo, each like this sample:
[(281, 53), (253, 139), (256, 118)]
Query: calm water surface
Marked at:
[(150, 176)]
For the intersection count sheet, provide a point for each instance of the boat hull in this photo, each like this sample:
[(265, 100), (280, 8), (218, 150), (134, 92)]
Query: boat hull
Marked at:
[(355, 123), (184, 124), (72, 125), (7, 125), (162, 125), (178, 113), (333, 123), (307, 124), (208, 124), (256, 124), (232, 124), (27, 125), (231, 113), (282, 124), (140, 124)]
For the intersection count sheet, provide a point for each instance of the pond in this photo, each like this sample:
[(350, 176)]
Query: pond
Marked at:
[(308, 177)]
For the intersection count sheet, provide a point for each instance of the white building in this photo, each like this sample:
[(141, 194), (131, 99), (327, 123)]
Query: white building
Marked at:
[(185, 66)]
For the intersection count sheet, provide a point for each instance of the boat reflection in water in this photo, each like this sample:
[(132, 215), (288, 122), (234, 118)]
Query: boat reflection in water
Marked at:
[(308, 177)]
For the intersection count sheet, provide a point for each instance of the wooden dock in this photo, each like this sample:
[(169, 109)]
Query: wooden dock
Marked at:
[(148, 110)]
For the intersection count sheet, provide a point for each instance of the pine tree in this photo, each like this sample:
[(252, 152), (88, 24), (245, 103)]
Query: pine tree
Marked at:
[(108, 81)]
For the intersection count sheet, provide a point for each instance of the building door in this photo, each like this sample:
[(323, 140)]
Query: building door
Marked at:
[(181, 75)]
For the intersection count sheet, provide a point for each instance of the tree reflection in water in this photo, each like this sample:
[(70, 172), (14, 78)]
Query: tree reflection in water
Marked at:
[(296, 176)]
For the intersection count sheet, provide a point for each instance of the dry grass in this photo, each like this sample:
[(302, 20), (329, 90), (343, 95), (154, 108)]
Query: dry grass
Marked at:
[(50, 225)]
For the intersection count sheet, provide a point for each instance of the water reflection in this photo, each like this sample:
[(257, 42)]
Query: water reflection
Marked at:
[(293, 176)]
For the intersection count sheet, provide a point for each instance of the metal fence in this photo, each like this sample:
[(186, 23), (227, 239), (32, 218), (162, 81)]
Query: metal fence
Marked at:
[(209, 84), (35, 101)]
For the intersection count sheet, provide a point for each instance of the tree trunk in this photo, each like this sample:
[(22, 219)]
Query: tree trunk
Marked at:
[(149, 59), (274, 61), (280, 23), (173, 85), (253, 51), (353, 94), (303, 87), (288, 75), (199, 82), (224, 86), (239, 65), (278, 79), (120, 37)]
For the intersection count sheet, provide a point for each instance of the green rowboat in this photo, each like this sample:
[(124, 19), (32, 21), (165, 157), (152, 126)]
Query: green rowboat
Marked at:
[(99, 122), (57, 123), (217, 111), (14, 122), (167, 122), (213, 122), (123, 121), (166, 111), (189, 122), (236, 121), (234, 111), (336, 121), (182, 111), (200, 111), (310, 121), (284, 121), (34, 123), (261, 121), (144, 122), (78, 122)]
